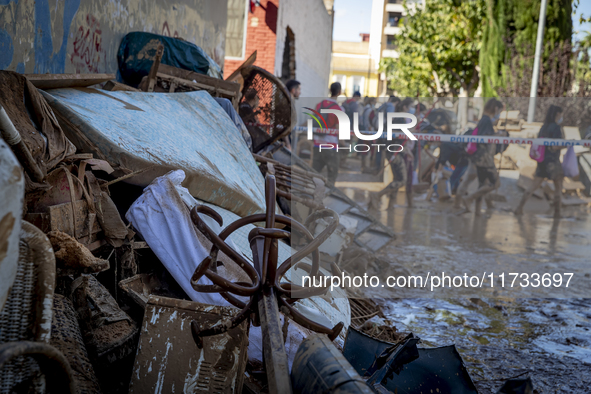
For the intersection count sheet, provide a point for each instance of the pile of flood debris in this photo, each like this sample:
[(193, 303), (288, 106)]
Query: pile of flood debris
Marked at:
[(146, 246)]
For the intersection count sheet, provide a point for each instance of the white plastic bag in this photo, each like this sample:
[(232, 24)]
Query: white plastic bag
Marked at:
[(570, 166)]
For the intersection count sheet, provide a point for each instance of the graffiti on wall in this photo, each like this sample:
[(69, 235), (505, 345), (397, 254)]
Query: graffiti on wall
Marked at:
[(87, 47), (83, 36), (166, 31)]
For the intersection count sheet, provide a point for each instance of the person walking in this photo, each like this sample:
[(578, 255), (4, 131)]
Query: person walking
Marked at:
[(367, 121), (550, 167), (388, 106), (400, 164), (483, 158), (328, 157)]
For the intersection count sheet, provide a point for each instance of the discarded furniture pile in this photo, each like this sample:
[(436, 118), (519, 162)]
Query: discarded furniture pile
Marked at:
[(144, 247)]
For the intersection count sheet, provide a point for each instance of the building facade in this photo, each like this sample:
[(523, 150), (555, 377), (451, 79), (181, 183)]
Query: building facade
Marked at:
[(353, 66), (292, 39), (385, 28)]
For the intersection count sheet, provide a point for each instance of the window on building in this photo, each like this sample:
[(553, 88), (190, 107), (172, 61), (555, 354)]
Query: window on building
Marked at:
[(391, 41), (342, 79), (394, 18), (358, 85), (236, 28), (288, 66), (395, 1)]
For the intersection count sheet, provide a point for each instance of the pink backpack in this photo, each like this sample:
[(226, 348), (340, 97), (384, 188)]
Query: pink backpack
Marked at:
[(472, 147), (537, 152)]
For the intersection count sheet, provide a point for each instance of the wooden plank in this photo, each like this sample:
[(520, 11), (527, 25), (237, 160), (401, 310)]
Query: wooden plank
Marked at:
[(509, 115), (61, 218), (247, 63), (56, 81), (232, 88), (572, 186), (575, 200), (154, 68), (139, 245), (196, 85), (571, 133), (115, 86)]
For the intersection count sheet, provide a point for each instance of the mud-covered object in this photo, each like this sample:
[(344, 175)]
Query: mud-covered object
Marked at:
[(34, 120), (169, 361), (72, 255), (105, 327), (138, 50), (66, 337), (27, 314), (275, 110)]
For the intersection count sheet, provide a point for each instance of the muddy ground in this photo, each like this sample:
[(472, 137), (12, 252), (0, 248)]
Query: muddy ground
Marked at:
[(544, 334)]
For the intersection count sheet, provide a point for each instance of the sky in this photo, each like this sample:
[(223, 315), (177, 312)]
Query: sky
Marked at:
[(585, 9), (353, 17)]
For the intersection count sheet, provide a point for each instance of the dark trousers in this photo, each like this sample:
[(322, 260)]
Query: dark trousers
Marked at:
[(330, 159)]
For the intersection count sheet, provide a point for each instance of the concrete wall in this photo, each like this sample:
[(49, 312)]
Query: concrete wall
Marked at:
[(312, 27), (67, 36)]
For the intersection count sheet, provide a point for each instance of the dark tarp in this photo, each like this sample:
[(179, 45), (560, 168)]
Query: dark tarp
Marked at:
[(138, 49)]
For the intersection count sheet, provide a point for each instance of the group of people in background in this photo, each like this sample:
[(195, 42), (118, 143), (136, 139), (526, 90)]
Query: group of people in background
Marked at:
[(459, 164), (469, 162)]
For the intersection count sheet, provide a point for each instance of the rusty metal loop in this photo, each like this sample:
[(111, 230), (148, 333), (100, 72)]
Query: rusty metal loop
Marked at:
[(274, 233), (266, 274), (312, 246), (218, 243), (222, 327), (260, 217)]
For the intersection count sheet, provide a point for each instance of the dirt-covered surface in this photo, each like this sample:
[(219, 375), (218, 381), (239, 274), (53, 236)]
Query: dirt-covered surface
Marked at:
[(544, 333)]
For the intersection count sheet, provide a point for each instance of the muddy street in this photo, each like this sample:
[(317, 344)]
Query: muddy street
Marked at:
[(546, 337)]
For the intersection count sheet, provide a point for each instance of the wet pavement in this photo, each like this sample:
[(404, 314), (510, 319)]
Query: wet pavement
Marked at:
[(544, 333)]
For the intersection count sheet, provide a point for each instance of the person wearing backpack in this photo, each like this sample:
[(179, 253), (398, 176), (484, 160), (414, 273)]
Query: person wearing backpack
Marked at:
[(352, 105), (328, 157), (483, 156), (388, 106), (366, 121), (401, 166), (548, 158)]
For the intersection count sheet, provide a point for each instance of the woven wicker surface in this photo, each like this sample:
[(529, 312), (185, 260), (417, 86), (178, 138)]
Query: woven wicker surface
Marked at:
[(66, 337)]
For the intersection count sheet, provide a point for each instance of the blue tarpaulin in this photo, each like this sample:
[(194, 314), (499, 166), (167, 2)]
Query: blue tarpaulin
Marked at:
[(138, 50)]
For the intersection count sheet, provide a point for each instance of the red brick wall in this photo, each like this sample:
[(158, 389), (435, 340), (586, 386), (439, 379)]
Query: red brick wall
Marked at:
[(260, 38)]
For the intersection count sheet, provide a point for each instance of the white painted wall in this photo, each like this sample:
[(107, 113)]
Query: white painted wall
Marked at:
[(312, 27), (376, 33)]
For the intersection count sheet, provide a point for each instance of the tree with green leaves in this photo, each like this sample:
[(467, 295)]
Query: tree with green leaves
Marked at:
[(510, 31), (439, 48)]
